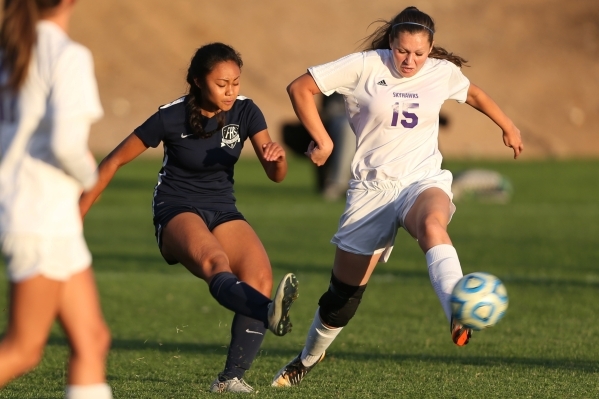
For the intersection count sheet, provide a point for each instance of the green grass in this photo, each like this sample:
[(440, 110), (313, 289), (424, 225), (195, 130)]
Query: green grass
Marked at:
[(170, 336)]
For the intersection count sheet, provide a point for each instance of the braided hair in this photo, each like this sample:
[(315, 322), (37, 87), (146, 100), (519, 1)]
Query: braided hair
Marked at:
[(202, 63)]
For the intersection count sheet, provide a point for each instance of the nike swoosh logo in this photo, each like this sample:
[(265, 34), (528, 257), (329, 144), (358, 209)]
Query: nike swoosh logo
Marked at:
[(185, 135), (247, 330), (239, 282)]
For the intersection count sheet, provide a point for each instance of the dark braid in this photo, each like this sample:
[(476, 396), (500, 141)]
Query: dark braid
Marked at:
[(202, 63), (413, 21)]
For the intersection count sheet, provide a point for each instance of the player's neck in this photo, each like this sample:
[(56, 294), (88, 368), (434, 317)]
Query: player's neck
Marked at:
[(60, 19), (209, 114)]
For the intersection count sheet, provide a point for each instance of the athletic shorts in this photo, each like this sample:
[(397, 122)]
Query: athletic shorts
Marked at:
[(57, 258), (164, 212), (375, 210)]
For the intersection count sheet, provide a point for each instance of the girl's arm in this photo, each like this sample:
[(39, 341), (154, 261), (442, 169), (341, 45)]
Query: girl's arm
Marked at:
[(271, 155), (511, 134), (301, 92), (68, 143), (125, 152)]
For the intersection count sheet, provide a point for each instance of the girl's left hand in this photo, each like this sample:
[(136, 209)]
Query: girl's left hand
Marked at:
[(273, 152), (512, 139)]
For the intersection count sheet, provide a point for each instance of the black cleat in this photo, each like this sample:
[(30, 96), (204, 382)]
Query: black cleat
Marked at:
[(293, 373)]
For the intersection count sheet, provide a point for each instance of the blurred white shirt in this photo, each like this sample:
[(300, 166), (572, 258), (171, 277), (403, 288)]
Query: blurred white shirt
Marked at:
[(45, 162)]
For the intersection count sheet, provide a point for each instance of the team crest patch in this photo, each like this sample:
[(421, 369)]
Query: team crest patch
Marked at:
[(230, 135)]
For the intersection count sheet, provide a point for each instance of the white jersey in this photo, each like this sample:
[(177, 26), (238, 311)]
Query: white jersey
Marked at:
[(45, 161), (395, 119)]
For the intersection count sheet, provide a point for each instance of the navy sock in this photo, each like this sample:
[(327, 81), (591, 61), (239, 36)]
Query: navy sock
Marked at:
[(239, 297), (246, 338)]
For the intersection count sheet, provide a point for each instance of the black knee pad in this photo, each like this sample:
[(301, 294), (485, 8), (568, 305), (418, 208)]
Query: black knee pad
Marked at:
[(339, 304)]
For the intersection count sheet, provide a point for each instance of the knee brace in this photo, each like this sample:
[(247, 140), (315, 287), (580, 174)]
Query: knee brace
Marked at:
[(339, 304)]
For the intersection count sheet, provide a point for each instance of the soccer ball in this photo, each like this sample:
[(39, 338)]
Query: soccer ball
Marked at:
[(479, 300)]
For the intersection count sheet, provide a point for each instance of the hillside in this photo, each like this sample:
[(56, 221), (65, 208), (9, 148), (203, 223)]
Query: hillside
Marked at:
[(538, 59)]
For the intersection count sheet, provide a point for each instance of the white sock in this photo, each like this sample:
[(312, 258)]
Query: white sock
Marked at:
[(95, 391), (444, 270), (320, 337)]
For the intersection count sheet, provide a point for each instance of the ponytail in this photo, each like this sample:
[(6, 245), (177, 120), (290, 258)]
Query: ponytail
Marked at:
[(442, 54), (18, 36)]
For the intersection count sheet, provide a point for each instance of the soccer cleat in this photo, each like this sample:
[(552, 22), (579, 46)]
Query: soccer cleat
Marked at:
[(293, 373), (459, 334), (278, 309), (234, 385)]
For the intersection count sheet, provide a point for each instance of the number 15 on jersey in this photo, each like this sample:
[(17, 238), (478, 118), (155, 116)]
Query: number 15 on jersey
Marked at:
[(410, 119)]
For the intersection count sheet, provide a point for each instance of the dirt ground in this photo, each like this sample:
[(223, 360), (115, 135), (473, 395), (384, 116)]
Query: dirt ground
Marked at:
[(539, 59)]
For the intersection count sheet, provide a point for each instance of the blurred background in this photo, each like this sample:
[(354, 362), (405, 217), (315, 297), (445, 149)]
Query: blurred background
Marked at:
[(538, 59)]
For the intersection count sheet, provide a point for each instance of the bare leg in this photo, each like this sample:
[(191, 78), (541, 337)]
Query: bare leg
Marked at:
[(33, 308), (81, 317), (428, 218), (353, 269), (187, 240), (427, 221), (351, 273), (231, 250), (247, 257), (249, 262)]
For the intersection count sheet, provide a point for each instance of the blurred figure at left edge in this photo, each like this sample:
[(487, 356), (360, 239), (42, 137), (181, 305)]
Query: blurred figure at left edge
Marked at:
[(48, 100)]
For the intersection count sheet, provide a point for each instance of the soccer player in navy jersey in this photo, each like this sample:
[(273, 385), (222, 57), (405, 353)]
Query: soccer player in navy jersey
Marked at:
[(196, 221)]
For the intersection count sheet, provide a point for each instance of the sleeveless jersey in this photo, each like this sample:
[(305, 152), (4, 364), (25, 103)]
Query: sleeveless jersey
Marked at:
[(395, 119)]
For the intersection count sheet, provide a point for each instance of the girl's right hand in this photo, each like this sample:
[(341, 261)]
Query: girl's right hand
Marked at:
[(318, 155), (513, 139)]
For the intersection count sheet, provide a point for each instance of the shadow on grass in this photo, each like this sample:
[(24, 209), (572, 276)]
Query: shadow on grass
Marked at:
[(390, 275), (549, 281), (154, 263), (585, 366)]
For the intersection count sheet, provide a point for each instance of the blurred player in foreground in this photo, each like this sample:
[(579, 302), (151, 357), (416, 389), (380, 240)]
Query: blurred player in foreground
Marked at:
[(393, 94), (196, 221), (48, 100)]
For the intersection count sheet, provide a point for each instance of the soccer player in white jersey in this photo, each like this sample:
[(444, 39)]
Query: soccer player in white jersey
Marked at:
[(48, 100), (393, 95)]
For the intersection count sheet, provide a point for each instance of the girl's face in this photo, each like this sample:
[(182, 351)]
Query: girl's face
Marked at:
[(220, 88), (410, 51)]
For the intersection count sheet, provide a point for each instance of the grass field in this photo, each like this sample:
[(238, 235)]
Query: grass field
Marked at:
[(170, 335)]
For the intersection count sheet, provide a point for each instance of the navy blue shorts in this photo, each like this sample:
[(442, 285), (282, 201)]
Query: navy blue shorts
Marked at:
[(163, 214)]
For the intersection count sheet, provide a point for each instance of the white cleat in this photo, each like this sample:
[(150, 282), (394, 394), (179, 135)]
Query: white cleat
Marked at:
[(278, 310), (233, 385)]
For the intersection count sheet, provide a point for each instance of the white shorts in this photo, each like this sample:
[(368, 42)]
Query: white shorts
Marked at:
[(375, 210), (57, 258)]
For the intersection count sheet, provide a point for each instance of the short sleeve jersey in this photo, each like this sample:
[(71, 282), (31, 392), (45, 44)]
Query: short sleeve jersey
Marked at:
[(395, 119), (200, 170), (37, 196)]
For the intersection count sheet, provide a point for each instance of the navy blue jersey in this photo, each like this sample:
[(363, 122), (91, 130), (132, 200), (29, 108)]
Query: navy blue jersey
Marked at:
[(199, 170)]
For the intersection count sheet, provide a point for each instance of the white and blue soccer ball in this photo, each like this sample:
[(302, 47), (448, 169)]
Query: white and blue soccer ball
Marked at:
[(479, 300)]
